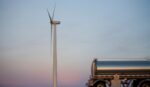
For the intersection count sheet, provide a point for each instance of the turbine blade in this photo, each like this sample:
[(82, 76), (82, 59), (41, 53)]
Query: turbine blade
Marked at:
[(49, 16), (53, 12), (50, 22)]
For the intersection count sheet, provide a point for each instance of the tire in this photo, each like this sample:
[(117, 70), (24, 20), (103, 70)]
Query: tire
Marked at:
[(100, 84), (145, 84)]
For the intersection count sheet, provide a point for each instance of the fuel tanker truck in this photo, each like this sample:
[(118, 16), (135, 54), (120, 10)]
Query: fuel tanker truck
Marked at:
[(123, 73)]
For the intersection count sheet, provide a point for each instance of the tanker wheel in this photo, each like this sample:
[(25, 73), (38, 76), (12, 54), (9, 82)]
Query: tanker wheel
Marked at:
[(145, 84), (100, 84)]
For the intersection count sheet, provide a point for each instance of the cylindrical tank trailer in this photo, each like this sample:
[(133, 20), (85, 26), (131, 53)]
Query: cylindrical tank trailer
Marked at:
[(127, 73)]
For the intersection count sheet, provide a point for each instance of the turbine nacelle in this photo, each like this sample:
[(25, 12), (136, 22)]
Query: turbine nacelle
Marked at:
[(55, 22)]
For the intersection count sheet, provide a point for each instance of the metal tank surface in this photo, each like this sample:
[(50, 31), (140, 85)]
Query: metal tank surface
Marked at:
[(122, 67), (125, 72)]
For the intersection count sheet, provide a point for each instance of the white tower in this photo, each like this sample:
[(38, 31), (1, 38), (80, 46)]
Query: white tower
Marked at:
[(53, 24)]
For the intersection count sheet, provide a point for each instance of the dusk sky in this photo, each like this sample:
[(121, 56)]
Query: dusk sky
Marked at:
[(103, 29)]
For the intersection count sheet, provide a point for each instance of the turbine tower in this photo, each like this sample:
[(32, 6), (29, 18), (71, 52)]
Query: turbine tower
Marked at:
[(53, 24)]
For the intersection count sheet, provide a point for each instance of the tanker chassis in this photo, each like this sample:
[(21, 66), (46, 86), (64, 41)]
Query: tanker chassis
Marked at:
[(125, 73)]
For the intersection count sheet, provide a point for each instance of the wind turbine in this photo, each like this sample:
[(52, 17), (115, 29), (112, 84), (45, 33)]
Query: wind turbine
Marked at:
[(53, 24)]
